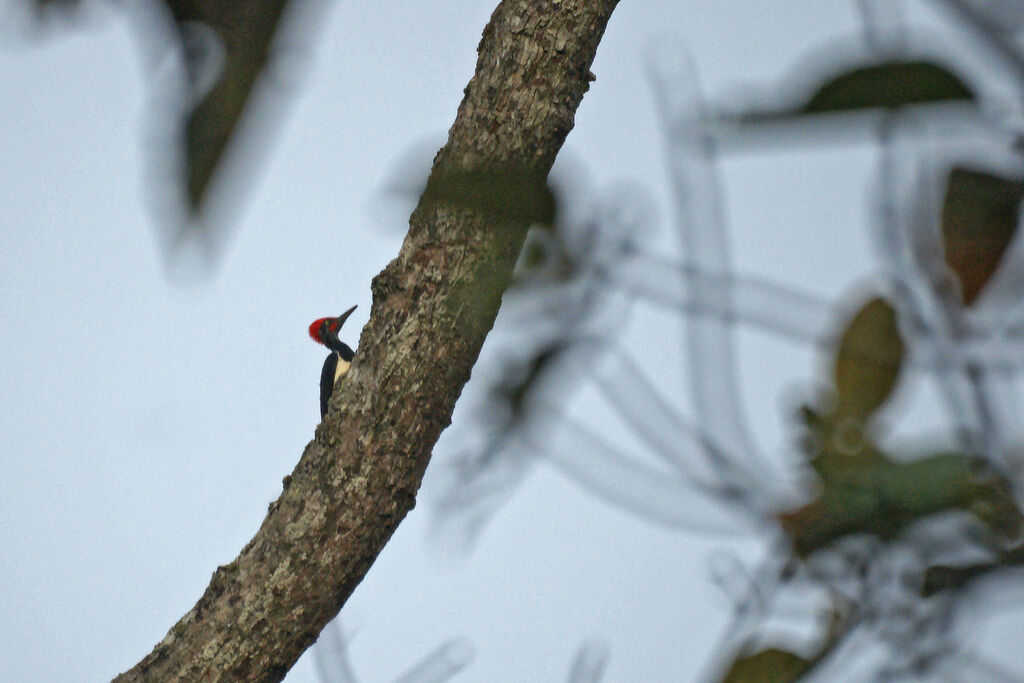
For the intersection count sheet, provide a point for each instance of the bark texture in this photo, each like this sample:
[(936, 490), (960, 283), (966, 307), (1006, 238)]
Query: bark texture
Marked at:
[(432, 307)]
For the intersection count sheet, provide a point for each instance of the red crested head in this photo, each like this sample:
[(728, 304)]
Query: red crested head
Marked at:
[(317, 329), (325, 330)]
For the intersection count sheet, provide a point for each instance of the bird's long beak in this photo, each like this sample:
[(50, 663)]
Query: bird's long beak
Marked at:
[(344, 316)]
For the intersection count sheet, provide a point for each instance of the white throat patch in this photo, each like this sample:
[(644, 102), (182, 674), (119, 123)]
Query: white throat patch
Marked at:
[(341, 368)]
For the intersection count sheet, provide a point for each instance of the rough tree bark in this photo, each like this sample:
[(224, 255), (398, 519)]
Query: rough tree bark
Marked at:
[(432, 307)]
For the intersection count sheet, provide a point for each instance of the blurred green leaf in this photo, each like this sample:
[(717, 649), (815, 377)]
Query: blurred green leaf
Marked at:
[(863, 489), (868, 361), (246, 29), (514, 195), (889, 85), (979, 218), (767, 666), (882, 497)]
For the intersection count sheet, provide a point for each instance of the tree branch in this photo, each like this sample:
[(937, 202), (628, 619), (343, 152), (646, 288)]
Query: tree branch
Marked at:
[(432, 307)]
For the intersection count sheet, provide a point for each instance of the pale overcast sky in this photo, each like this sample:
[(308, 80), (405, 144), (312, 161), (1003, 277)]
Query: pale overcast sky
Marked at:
[(147, 422)]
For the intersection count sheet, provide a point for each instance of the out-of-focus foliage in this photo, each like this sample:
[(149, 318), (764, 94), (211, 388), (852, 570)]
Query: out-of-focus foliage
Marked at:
[(513, 195), (222, 47), (881, 540), (547, 336), (941, 577), (544, 339), (442, 664), (863, 489), (868, 362), (889, 85), (333, 665), (767, 666), (237, 34), (980, 215)]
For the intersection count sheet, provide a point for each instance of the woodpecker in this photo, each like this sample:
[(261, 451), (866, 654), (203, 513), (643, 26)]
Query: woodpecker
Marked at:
[(325, 331)]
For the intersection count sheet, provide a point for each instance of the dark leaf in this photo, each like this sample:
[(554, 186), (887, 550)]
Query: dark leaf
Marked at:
[(868, 361), (246, 29), (889, 85), (883, 496), (979, 218), (515, 195), (767, 666)]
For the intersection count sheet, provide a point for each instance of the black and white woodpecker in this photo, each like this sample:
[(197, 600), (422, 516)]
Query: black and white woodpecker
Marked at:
[(325, 331)]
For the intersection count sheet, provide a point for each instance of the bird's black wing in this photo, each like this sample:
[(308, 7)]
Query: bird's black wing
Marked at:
[(327, 382)]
